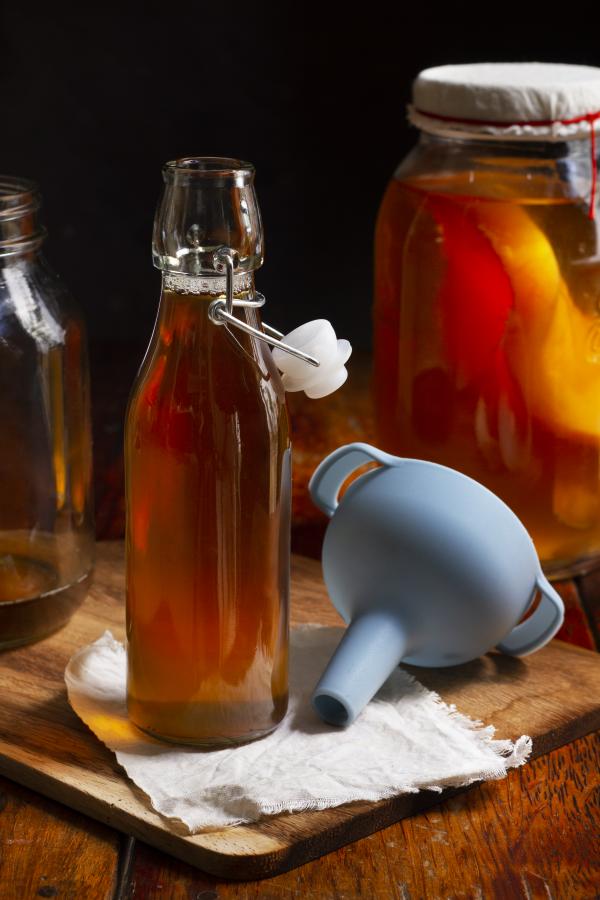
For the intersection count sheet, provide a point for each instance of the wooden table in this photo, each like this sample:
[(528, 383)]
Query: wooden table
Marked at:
[(534, 834)]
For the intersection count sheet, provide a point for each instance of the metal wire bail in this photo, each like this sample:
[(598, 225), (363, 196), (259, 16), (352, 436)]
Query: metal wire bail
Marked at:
[(220, 312)]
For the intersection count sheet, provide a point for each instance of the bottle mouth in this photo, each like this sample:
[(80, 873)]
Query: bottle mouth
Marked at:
[(188, 169), (20, 230)]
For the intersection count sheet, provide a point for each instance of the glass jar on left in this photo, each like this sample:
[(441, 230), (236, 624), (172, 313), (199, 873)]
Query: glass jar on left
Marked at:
[(46, 519)]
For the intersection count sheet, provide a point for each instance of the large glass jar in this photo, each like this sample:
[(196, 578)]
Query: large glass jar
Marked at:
[(487, 317), (208, 479), (46, 526)]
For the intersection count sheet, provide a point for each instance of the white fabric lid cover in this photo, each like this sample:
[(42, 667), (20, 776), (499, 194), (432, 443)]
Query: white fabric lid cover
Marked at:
[(509, 94)]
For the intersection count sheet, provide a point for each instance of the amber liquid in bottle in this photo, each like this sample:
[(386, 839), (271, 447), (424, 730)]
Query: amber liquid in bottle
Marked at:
[(208, 488), (487, 346)]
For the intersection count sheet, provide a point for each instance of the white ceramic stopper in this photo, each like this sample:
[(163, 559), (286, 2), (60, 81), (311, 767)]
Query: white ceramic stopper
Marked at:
[(317, 339)]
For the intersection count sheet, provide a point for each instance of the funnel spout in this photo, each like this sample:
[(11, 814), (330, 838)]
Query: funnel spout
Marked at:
[(372, 646)]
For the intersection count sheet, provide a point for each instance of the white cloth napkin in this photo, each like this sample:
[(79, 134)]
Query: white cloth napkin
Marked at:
[(406, 740)]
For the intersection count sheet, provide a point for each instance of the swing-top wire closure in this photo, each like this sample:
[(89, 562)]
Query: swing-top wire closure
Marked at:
[(220, 312)]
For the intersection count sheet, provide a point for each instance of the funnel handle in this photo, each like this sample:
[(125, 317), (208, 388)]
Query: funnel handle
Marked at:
[(540, 627), (331, 473)]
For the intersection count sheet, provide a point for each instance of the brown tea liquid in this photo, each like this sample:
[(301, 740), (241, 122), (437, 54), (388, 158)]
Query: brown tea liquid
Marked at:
[(208, 491), (41, 585)]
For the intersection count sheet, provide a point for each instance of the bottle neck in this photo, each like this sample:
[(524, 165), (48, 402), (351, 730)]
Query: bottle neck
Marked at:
[(184, 312), (206, 285), (207, 205)]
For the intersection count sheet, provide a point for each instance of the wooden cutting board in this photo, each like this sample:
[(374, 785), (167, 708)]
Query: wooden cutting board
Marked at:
[(554, 696)]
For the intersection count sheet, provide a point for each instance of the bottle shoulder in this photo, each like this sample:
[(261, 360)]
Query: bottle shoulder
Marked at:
[(204, 375)]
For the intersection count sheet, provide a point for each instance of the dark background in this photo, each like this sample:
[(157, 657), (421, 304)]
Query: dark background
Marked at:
[(93, 104)]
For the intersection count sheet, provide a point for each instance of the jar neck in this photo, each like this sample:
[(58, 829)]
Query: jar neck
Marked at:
[(24, 259), (21, 233), (490, 147), (549, 170)]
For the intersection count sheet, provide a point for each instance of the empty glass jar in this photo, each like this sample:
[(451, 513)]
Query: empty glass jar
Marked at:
[(46, 525)]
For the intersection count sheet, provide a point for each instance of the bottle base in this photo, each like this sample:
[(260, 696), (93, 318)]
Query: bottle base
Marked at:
[(209, 743)]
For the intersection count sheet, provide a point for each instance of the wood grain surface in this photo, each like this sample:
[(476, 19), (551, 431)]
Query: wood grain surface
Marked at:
[(532, 836), (553, 695), (48, 850)]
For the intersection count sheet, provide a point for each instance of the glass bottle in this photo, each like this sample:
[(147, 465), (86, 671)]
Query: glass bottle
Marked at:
[(487, 327), (46, 523), (208, 479)]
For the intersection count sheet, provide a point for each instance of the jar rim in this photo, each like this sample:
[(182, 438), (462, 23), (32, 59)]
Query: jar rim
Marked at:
[(20, 230), (190, 168), (18, 196)]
